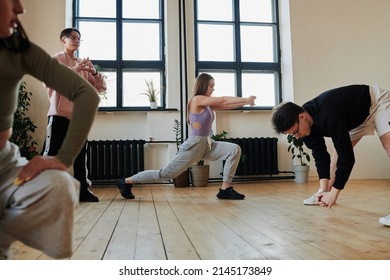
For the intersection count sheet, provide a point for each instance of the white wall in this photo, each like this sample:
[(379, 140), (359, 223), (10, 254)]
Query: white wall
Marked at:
[(43, 21), (340, 42), (324, 44)]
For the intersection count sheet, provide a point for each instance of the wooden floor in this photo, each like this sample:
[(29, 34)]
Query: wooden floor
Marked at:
[(164, 222)]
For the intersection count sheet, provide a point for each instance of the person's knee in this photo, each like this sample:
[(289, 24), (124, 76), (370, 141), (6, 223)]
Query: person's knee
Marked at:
[(63, 184), (237, 150), (168, 174), (385, 139)]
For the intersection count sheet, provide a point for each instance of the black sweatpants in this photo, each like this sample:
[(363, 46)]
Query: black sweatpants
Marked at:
[(55, 135)]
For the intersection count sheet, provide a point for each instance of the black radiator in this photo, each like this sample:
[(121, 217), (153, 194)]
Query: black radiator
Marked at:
[(113, 159), (259, 156)]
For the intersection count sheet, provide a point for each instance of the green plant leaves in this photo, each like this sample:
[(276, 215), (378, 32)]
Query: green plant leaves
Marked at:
[(23, 126), (296, 149)]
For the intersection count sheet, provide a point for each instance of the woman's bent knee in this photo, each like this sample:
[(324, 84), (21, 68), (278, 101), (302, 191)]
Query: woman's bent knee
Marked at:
[(63, 184)]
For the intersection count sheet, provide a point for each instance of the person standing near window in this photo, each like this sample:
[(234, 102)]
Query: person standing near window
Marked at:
[(61, 108)]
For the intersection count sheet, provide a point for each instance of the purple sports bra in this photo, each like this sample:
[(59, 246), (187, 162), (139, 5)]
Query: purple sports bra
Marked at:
[(205, 118)]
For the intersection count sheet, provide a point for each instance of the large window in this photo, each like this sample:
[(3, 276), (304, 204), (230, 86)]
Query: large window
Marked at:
[(125, 39), (237, 42)]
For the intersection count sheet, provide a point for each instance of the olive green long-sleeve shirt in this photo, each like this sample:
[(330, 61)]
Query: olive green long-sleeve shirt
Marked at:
[(37, 63)]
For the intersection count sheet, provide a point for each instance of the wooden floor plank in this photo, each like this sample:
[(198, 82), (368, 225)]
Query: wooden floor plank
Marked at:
[(122, 243), (164, 222), (191, 217), (106, 215), (176, 242)]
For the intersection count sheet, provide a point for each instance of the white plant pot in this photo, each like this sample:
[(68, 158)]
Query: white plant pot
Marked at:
[(301, 173), (153, 105)]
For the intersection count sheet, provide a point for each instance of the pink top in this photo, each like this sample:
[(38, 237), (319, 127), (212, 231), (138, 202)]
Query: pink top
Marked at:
[(62, 106)]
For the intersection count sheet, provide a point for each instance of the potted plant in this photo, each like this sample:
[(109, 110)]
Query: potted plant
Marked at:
[(151, 92), (23, 126), (301, 170), (200, 172), (183, 180)]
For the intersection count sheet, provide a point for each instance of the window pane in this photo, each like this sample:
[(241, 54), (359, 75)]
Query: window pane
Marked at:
[(141, 41), (94, 45), (110, 96), (97, 8), (225, 84), (256, 10), (216, 42), (215, 10), (146, 9), (134, 85), (257, 44), (261, 85)]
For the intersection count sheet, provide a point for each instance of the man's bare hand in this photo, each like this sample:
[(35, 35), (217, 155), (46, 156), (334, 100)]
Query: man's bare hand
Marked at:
[(328, 198)]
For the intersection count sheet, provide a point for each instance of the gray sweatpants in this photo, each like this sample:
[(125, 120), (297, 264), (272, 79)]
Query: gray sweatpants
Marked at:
[(38, 213), (194, 149)]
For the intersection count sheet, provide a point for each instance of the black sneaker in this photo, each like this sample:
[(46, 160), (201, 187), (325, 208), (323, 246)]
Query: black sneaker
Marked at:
[(88, 196), (229, 193), (125, 189)]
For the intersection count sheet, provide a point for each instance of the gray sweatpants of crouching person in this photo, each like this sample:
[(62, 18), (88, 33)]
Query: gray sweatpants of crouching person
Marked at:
[(40, 212)]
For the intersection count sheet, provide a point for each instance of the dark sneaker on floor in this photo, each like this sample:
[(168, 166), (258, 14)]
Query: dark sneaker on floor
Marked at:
[(229, 193), (125, 189), (88, 196)]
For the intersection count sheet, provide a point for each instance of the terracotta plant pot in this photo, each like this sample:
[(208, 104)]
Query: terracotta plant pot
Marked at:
[(183, 180)]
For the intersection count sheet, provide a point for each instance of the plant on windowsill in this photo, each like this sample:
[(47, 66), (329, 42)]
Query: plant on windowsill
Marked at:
[(296, 147), (183, 179), (152, 93), (23, 126)]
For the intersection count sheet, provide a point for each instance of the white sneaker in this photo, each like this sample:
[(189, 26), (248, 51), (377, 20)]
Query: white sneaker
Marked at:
[(311, 200), (385, 221)]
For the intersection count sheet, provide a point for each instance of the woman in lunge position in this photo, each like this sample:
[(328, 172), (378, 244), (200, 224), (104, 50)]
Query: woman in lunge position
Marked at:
[(199, 145)]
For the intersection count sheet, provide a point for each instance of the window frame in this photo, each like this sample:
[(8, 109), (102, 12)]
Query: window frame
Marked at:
[(238, 66), (121, 66)]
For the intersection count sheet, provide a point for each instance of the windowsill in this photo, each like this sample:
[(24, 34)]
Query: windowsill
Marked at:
[(140, 109)]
